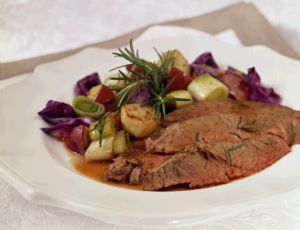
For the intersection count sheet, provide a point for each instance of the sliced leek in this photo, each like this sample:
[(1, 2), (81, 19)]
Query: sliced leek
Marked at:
[(122, 142), (114, 83), (97, 153), (207, 87), (108, 129), (86, 107), (180, 94)]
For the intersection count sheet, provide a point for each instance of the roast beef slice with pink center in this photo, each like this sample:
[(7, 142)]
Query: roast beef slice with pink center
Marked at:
[(205, 164), (220, 126), (224, 106)]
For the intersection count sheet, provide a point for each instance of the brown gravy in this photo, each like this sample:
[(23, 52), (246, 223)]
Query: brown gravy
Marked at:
[(95, 170)]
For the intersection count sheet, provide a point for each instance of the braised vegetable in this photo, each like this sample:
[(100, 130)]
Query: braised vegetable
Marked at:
[(114, 83), (85, 84), (62, 130), (141, 96), (181, 80), (137, 120), (260, 93), (79, 139), (179, 61), (57, 112), (86, 107), (207, 87), (106, 97), (180, 94), (105, 152), (108, 129), (239, 88), (122, 141), (91, 94)]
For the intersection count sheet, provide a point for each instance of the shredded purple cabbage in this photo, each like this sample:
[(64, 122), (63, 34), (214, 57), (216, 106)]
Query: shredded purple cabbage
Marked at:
[(145, 96), (230, 69), (62, 130), (205, 59), (57, 112), (85, 84), (202, 69), (260, 93)]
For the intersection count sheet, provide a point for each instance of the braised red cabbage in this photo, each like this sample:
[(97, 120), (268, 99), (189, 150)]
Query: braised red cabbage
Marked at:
[(145, 96), (62, 130), (85, 84), (230, 69), (260, 93), (206, 59), (57, 112), (202, 69)]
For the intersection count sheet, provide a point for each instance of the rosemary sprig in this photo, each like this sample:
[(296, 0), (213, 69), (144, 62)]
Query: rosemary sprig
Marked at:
[(101, 127), (197, 137), (232, 149), (175, 170), (237, 136), (181, 150), (137, 160), (239, 105), (153, 77), (247, 126), (237, 147)]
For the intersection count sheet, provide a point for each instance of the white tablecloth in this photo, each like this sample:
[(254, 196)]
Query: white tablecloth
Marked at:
[(32, 28)]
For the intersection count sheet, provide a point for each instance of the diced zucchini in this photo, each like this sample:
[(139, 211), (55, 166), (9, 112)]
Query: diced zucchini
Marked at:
[(180, 94), (207, 87)]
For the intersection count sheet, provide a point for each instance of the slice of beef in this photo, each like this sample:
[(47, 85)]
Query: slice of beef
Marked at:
[(133, 163), (119, 170), (224, 106), (135, 175), (220, 126), (204, 164)]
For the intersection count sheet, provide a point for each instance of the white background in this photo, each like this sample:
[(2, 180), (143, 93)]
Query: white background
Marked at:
[(34, 27)]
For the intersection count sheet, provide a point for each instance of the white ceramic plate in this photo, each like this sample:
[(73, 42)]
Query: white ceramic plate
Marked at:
[(37, 165)]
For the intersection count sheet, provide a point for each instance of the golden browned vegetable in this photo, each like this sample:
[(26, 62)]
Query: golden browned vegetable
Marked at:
[(138, 120), (179, 62)]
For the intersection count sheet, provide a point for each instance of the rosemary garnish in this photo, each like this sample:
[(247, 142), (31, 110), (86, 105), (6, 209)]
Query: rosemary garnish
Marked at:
[(175, 170), (237, 147), (247, 126), (153, 77), (226, 153), (237, 136), (100, 127), (129, 162), (240, 105), (197, 137), (232, 149), (137, 160), (181, 150)]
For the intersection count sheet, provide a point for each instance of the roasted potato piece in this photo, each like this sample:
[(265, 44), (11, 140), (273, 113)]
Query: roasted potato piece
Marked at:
[(93, 92), (138, 120), (179, 62), (114, 83)]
